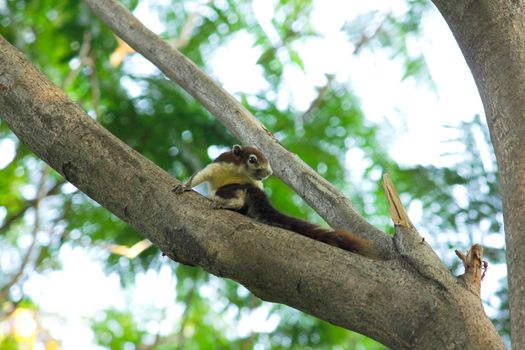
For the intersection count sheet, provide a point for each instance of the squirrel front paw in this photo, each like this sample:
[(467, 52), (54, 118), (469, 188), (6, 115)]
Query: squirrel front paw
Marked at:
[(180, 188), (216, 205)]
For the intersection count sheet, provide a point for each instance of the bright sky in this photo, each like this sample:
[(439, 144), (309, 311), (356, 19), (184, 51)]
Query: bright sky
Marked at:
[(416, 114)]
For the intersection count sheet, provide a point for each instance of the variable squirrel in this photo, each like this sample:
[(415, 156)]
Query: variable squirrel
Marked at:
[(235, 182)]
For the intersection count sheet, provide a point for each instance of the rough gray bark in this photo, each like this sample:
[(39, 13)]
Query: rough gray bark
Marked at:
[(491, 35), (432, 310)]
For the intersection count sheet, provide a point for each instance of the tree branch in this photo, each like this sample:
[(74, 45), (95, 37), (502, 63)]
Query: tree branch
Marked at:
[(317, 192), (337, 286), (82, 59)]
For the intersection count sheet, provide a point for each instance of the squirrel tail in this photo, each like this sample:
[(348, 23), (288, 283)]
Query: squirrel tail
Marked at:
[(337, 238)]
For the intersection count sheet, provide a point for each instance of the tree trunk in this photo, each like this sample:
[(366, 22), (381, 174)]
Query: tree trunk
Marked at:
[(432, 310), (491, 35)]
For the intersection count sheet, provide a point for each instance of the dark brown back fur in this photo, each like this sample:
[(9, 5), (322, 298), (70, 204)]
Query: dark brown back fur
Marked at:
[(258, 206)]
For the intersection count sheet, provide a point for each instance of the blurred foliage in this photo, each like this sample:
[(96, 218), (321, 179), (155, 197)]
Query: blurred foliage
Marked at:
[(394, 33), (154, 116)]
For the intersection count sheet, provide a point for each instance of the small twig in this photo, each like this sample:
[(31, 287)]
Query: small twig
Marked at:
[(187, 29), (316, 103), (185, 34), (475, 267), (29, 204), (82, 56), (158, 336), (130, 252), (461, 256), (13, 217), (95, 86), (366, 38), (485, 268), (180, 337)]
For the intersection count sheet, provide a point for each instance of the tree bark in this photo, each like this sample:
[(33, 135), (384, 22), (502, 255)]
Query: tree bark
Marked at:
[(432, 310), (491, 35)]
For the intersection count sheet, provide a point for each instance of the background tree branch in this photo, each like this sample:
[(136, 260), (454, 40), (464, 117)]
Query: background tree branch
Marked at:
[(13, 217), (41, 194), (332, 284)]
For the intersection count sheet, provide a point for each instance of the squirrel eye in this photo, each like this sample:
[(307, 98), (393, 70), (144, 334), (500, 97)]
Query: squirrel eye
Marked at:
[(252, 159)]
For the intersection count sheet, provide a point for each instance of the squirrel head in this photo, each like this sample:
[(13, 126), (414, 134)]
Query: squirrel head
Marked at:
[(248, 158)]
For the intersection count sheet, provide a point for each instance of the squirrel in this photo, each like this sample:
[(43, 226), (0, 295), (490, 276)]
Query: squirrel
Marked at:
[(235, 182)]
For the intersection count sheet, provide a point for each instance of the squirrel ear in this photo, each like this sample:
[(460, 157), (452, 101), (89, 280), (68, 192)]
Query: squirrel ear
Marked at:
[(237, 149)]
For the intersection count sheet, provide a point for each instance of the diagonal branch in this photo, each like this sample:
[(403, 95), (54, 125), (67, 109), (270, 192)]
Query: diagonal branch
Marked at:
[(317, 192)]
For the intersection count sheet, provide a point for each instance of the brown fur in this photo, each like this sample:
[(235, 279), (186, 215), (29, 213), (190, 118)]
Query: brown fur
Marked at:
[(258, 206)]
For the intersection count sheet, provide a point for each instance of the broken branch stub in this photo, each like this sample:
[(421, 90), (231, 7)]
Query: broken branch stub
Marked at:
[(397, 210), (474, 267)]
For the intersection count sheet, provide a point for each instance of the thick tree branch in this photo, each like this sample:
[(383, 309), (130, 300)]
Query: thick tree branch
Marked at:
[(491, 35), (276, 265), (318, 192)]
